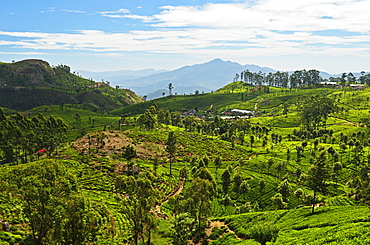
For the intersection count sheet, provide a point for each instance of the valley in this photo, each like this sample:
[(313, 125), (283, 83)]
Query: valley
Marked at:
[(116, 169)]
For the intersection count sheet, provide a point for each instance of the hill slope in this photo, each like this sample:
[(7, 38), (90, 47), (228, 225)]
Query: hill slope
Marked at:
[(31, 83)]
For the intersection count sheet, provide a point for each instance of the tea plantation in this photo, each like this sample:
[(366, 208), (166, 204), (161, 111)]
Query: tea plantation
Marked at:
[(295, 172)]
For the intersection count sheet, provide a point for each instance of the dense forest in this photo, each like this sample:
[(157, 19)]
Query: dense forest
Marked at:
[(189, 170)]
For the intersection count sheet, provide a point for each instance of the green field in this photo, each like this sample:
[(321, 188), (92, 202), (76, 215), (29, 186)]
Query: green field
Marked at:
[(236, 181)]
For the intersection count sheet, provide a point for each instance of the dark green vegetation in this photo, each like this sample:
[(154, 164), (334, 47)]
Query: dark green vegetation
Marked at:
[(161, 178), (31, 83)]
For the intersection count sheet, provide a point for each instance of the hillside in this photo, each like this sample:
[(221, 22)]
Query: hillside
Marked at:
[(202, 180), (31, 83)]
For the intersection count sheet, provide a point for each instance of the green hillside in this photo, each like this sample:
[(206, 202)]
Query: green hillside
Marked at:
[(330, 225), (295, 172), (31, 83)]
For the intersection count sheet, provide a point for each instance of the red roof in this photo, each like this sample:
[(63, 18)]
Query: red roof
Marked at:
[(41, 151)]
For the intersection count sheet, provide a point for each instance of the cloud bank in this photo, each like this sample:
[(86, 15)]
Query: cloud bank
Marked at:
[(253, 28)]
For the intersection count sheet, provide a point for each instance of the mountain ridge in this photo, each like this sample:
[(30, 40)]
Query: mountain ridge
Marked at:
[(203, 77), (206, 77)]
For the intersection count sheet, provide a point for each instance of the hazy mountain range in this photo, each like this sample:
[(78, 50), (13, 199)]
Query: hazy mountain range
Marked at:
[(202, 77)]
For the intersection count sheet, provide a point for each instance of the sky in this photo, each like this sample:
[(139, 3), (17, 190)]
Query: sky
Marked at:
[(331, 36)]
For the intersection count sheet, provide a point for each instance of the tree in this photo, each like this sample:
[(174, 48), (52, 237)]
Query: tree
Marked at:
[(337, 166), (197, 199), (136, 205), (251, 137), (284, 189), (244, 188), (171, 147), (226, 180), (217, 163), (226, 201), (238, 179), (262, 185), (181, 229), (317, 175), (279, 201), (148, 119), (299, 193), (80, 224), (241, 138), (270, 162), (314, 111), (280, 167), (170, 87), (129, 153)]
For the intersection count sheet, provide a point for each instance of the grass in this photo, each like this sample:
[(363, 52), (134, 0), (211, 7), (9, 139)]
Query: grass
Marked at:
[(341, 222)]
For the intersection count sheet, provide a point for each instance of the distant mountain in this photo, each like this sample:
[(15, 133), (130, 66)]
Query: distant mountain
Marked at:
[(118, 76), (203, 77)]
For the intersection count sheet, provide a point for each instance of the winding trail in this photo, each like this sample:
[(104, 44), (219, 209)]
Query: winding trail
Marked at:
[(219, 224), (176, 191), (249, 158), (354, 124)]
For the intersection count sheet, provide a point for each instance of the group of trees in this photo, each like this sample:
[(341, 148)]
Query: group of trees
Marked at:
[(53, 204), (21, 137), (138, 197), (297, 79), (300, 78), (314, 111)]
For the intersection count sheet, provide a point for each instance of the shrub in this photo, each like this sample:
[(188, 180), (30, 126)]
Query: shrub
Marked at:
[(264, 232)]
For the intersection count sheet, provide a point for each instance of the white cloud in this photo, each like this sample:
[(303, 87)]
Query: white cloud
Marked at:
[(125, 13), (266, 27), (283, 15), (73, 11), (115, 14)]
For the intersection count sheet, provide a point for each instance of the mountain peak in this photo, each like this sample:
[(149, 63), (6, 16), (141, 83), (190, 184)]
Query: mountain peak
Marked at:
[(216, 60)]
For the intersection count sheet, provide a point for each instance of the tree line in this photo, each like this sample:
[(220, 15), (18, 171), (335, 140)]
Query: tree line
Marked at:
[(297, 79), (21, 137)]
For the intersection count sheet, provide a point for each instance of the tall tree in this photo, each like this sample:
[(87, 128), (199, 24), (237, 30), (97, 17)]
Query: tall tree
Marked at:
[(170, 87), (197, 199), (317, 175), (217, 163), (171, 147)]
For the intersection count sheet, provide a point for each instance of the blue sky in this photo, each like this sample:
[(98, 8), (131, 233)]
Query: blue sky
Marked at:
[(93, 35)]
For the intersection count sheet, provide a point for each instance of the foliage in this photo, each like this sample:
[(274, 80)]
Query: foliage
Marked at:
[(171, 147), (49, 195), (21, 136), (141, 196), (181, 229)]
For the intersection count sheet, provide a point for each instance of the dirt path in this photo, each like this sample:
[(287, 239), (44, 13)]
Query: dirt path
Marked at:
[(174, 192), (354, 124), (219, 224)]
